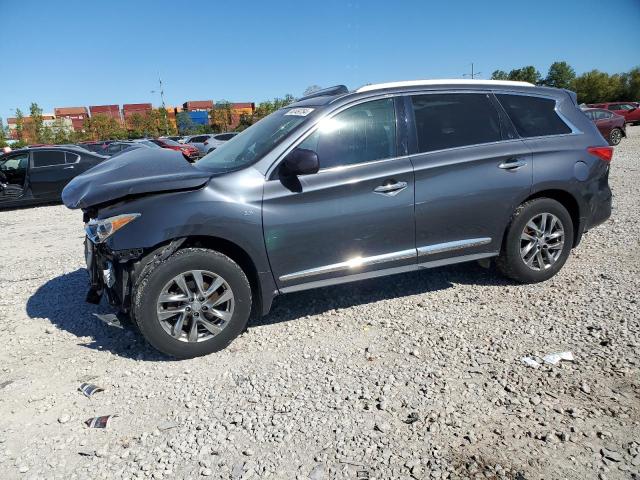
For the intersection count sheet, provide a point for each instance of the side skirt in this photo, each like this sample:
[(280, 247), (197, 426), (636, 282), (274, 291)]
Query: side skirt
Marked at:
[(387, 271)]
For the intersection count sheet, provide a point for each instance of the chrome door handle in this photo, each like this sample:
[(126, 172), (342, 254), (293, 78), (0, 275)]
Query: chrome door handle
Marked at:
[(391, 189), (70, 167), (512, 164)]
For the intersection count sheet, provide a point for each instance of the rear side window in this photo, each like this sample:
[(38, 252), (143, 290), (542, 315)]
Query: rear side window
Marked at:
[(72, 157), (615, 107), (455, 120), (359, 134), (533, 116), (48, 158)]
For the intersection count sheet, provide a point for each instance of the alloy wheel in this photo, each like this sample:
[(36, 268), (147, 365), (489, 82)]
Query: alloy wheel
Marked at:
[(615, 136), (542, 241), (195, 306)]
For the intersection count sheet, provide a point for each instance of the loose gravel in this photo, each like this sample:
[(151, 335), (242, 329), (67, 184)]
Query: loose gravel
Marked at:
[(415, 376)]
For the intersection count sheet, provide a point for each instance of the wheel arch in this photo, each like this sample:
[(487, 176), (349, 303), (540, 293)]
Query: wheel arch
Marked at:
[(568, 201), (239, 255)]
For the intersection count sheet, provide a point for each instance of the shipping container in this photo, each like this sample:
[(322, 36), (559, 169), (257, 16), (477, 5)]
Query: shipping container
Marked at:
[(200, 118), (77, 115), (112, 111), (198, 105)]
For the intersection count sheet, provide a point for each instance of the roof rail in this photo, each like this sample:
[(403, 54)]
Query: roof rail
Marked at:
[(336, 90), (452, 81)]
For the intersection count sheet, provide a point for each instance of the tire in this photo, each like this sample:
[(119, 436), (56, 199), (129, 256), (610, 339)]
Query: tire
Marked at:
[(615, 136), (511, 263), (164, 332)]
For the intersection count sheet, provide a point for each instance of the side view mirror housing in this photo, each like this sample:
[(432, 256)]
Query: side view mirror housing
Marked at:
[(300, 161)]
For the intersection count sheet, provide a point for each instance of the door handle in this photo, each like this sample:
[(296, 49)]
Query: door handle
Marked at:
[(70, 167), (512, 164), (391, 189)]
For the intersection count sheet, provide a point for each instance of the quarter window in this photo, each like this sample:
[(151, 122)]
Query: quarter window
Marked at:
[(533, 116), (48, 158), (454, 120), (360, 134)]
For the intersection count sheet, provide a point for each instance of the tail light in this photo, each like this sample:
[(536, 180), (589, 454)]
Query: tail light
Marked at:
[(603, 153)]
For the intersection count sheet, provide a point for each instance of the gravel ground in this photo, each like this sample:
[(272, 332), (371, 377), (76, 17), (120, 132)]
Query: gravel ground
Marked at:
[(412, 376)]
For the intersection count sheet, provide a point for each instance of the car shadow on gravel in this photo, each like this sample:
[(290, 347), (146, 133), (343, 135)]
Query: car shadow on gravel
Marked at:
[(318, 301), (62, 301)]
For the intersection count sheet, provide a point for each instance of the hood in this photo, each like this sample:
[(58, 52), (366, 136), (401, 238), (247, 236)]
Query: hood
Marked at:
[(139, 171)]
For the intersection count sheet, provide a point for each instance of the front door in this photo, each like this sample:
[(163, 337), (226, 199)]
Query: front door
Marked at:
[(471, 171), (355, 216), (13, 173)]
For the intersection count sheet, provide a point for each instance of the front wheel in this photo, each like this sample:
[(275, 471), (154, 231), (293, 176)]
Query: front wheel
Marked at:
[(194, 303), (615, 136), (538, 241)]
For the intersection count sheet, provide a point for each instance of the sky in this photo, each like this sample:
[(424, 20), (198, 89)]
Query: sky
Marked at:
[(79, 53)]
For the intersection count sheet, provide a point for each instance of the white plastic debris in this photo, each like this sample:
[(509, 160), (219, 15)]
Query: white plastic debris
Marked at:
[(530, 362), (555, 358)]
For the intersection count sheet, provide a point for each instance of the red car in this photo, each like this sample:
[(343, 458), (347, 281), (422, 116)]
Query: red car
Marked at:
[(611, 126), (190, 152), (629, 110)]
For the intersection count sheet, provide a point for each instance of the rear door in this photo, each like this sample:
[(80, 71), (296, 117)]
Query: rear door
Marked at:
[(354, 216), (471, 172), (49, 173)]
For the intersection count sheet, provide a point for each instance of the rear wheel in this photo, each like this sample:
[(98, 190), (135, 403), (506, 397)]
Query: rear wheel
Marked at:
[(194, 303), (615, 136), (538, 241)]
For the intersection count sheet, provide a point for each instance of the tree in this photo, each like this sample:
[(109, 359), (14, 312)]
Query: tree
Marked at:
[(19, 125), (221, 116), (632, 85), (185, 124), (499, 75), (560, 75), (311, 89), (525, 74), (594, 86), (103, 127)]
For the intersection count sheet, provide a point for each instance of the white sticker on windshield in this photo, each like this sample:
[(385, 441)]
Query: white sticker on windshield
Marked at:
[(299, 112)]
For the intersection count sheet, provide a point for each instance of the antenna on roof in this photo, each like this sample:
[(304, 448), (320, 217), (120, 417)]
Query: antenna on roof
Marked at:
[(331, 91)]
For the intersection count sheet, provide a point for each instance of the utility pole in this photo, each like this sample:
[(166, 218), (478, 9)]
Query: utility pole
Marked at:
[(473, 74), (164, 108)]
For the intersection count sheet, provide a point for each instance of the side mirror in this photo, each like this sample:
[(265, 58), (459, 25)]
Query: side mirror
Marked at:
[(300, 161)]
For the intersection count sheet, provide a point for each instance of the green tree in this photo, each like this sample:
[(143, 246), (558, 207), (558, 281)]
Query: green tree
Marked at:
[(20, 125), (594, 86), (525, 74), (560, 75), (499, 75), (36, 123), (185, 124), (221, 116), (632, 81), (103, 127)]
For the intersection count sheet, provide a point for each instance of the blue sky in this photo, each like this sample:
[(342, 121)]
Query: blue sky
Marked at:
[(74, 53)]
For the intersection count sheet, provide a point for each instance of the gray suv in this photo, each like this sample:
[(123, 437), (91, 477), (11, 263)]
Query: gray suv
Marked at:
[(338, 187)]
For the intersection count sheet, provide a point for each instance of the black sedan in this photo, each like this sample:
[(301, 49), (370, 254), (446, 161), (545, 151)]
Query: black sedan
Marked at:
[(38, 175)]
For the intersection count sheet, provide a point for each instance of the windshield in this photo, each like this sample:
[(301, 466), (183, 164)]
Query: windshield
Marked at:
[(253, 143)]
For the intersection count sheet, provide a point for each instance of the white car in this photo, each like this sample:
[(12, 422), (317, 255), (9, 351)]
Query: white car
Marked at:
[(209, 142)]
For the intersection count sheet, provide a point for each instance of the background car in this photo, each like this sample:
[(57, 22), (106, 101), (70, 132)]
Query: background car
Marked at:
[(206, 143), (611, 126), (38, 175), (629, 110), (190, 152)]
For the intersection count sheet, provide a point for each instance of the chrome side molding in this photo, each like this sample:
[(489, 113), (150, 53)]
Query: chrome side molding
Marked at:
[(453, 246), (351, 264)]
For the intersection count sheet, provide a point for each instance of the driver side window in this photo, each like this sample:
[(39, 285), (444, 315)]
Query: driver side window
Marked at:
[(360, 134)]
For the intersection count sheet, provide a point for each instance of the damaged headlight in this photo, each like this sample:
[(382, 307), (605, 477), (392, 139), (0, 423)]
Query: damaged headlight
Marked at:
[(99, 230)]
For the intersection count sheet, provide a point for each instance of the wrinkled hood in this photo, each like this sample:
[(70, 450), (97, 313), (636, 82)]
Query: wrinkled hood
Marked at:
[(139, 171)]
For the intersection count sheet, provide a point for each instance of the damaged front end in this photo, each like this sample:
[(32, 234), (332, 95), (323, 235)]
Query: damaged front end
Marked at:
[(116, 272)]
